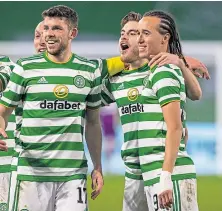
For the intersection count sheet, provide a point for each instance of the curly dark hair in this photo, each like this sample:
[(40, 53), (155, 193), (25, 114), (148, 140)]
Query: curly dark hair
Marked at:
[(62, 11)]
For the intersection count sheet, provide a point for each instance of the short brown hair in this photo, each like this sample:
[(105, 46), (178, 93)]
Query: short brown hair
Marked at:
[(62, 11), (131, 16)]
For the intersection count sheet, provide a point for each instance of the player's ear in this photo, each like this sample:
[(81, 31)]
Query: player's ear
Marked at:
[(166, 38), (73, 33)]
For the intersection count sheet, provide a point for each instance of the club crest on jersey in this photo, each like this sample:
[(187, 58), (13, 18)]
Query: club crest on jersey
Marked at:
[(79, 81), (61, 91), (133, 94)]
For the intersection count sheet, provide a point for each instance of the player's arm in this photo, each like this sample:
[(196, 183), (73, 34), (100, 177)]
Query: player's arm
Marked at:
[(106, 93), (193, 88), (11, 96), (114, 65), (93, 137), (167, 85), (186, 136), (6, 67), (93, 133), (109, 67), (171, 113), (172, 117), (4, 116), (194, 91)]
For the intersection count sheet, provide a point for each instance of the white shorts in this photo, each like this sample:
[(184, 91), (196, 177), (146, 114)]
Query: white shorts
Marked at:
[(51, 196), (134, 195), (184, 196), (4, 190), (12, 185)]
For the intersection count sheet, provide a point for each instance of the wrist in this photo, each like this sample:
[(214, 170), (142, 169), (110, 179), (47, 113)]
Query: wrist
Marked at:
[(165, 175), (97, 168), (181, 64), (165, 182)]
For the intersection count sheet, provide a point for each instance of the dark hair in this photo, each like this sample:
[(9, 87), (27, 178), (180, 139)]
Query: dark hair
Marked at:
[(131, 16), (168, 25), (63, 11)]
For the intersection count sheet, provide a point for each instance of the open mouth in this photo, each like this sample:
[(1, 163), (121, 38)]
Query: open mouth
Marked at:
[(124, 46)]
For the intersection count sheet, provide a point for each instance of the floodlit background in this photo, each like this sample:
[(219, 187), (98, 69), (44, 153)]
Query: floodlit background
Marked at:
[(200, 26)]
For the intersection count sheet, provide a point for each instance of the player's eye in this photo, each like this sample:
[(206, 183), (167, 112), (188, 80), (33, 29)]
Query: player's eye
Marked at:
[(133, 33), (56, 28), (146, 33)]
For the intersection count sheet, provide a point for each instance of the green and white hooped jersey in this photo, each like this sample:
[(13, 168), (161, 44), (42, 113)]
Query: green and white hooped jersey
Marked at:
[(6, 66), (164, 85), (55, 97), (125, 89)]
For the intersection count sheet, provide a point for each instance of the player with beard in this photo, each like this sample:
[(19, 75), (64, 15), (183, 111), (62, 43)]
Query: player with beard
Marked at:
[(125, 89), (9, 158), (43, 81), (52, 156)]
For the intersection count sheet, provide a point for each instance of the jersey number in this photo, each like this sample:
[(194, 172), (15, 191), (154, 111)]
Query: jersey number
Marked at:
[(82, 193), (155, 202)]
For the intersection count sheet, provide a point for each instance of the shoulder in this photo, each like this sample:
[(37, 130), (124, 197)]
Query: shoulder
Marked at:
[(27, 61), (4, 59), (88, 65), (166, 71)]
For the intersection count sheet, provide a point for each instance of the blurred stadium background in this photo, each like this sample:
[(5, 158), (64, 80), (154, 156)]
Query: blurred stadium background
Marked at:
[(200, 28)]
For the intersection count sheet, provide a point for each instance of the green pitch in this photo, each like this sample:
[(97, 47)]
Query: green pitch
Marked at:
[(209, 194)]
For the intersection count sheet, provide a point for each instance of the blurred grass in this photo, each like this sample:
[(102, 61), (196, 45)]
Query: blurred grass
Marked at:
[(209, 194)]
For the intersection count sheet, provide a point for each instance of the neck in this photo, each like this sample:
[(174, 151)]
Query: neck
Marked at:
[(137, 64), (63, 57)]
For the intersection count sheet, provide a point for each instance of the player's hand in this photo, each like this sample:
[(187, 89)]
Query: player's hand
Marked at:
[(197, 67), (165, 193), (163, 59), (97, 183), (3, 146), (166, 199)]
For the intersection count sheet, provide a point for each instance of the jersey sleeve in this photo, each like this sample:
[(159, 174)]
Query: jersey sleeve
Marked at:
[(114, 65), (6, 68), (110, 66), (106, 94), (94, 97), (166, 84), (15, 88)]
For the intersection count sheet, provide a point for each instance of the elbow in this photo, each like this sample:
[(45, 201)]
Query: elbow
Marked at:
[(197, 95), (178, 128)]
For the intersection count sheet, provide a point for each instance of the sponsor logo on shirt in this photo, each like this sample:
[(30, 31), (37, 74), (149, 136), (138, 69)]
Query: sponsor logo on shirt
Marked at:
[(61, 91), (132, 108), (59, 105), (133, 94)]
